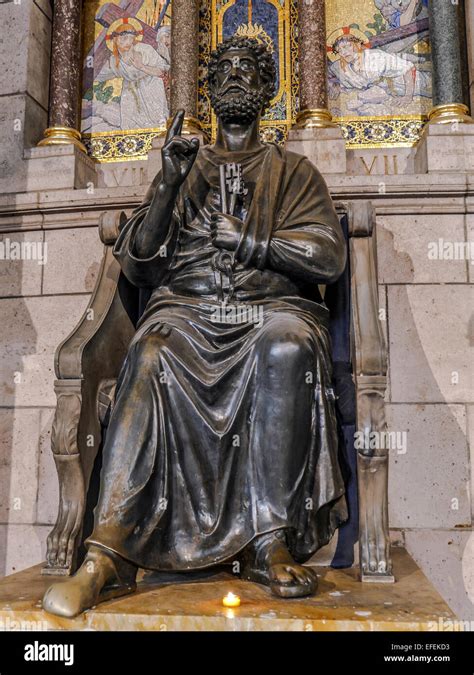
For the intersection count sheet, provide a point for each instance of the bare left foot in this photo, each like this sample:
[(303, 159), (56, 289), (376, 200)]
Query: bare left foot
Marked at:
[(268, 561), (100, 578)]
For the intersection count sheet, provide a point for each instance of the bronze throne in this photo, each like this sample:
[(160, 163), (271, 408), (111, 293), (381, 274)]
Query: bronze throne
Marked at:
[(88, 361)]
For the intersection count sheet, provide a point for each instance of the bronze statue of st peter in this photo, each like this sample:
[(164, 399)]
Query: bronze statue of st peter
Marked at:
[(222, 444)]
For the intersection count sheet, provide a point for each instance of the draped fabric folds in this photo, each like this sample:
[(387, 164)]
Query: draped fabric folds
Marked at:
[(224, 430)]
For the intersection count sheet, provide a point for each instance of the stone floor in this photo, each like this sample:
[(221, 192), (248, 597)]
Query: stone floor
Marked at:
[(174, 603)]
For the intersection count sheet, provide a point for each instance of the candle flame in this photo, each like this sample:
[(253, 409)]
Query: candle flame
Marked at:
[(231, 600)]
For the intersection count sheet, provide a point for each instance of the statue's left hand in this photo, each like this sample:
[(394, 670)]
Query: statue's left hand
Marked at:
[(225, 231)]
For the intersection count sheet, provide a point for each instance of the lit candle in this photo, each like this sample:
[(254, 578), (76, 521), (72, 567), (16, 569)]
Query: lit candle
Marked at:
[(231, 600)]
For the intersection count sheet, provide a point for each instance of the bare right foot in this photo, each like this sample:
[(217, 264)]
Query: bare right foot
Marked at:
[(100, 577), (268, 561)]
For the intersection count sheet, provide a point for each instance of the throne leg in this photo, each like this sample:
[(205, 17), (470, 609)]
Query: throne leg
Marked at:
[(372, 466), (370, 359), (63, 541)]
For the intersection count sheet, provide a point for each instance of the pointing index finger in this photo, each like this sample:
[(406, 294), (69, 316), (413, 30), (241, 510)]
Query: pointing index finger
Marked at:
[(175, 126)]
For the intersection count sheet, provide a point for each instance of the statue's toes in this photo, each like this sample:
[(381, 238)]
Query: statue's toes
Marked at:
[(279, 574), (292, 581), (305, 575)]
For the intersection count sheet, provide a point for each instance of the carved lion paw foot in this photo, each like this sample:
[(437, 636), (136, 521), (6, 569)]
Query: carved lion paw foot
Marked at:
[(62, 541), (375, 552)]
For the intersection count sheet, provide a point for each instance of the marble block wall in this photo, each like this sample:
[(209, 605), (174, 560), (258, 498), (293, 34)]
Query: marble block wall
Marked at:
[(429, 303), (39, 305), (41, 301), (25, 47)]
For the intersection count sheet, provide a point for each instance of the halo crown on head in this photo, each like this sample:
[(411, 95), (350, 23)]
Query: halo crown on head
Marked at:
[(127, 22), (256, 32), (350, 32)]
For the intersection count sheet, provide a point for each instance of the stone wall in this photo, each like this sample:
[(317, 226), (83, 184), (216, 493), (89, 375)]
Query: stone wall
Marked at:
[(421, 196), (40, 304), (429, 324), (25, 47)]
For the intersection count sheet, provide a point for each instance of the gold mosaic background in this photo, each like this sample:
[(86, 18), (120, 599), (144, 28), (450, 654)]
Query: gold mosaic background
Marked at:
[(395, 31), (390, 127)]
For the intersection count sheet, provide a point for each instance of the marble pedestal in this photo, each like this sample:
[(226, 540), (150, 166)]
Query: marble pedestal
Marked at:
[(445, 148), (59, 167), (325, 147), (194, 602)]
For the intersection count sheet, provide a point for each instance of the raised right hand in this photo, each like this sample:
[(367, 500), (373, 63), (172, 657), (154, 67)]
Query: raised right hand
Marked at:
[(178, 153)]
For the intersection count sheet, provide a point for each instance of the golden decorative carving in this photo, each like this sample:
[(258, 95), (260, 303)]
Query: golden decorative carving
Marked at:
[(450, 113), (121, 146), (316, 118), (62, 136), (381, 132)]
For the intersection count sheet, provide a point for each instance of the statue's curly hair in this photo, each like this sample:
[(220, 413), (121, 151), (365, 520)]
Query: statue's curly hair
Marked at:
[(265, 60)]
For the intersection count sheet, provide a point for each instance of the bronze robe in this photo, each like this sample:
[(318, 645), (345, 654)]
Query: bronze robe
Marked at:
[(221, 432)]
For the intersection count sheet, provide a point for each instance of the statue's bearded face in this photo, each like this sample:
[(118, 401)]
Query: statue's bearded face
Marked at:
[(238, 92)]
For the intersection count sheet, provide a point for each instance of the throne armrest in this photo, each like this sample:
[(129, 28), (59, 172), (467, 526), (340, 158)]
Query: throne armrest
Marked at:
[(369, 342)]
